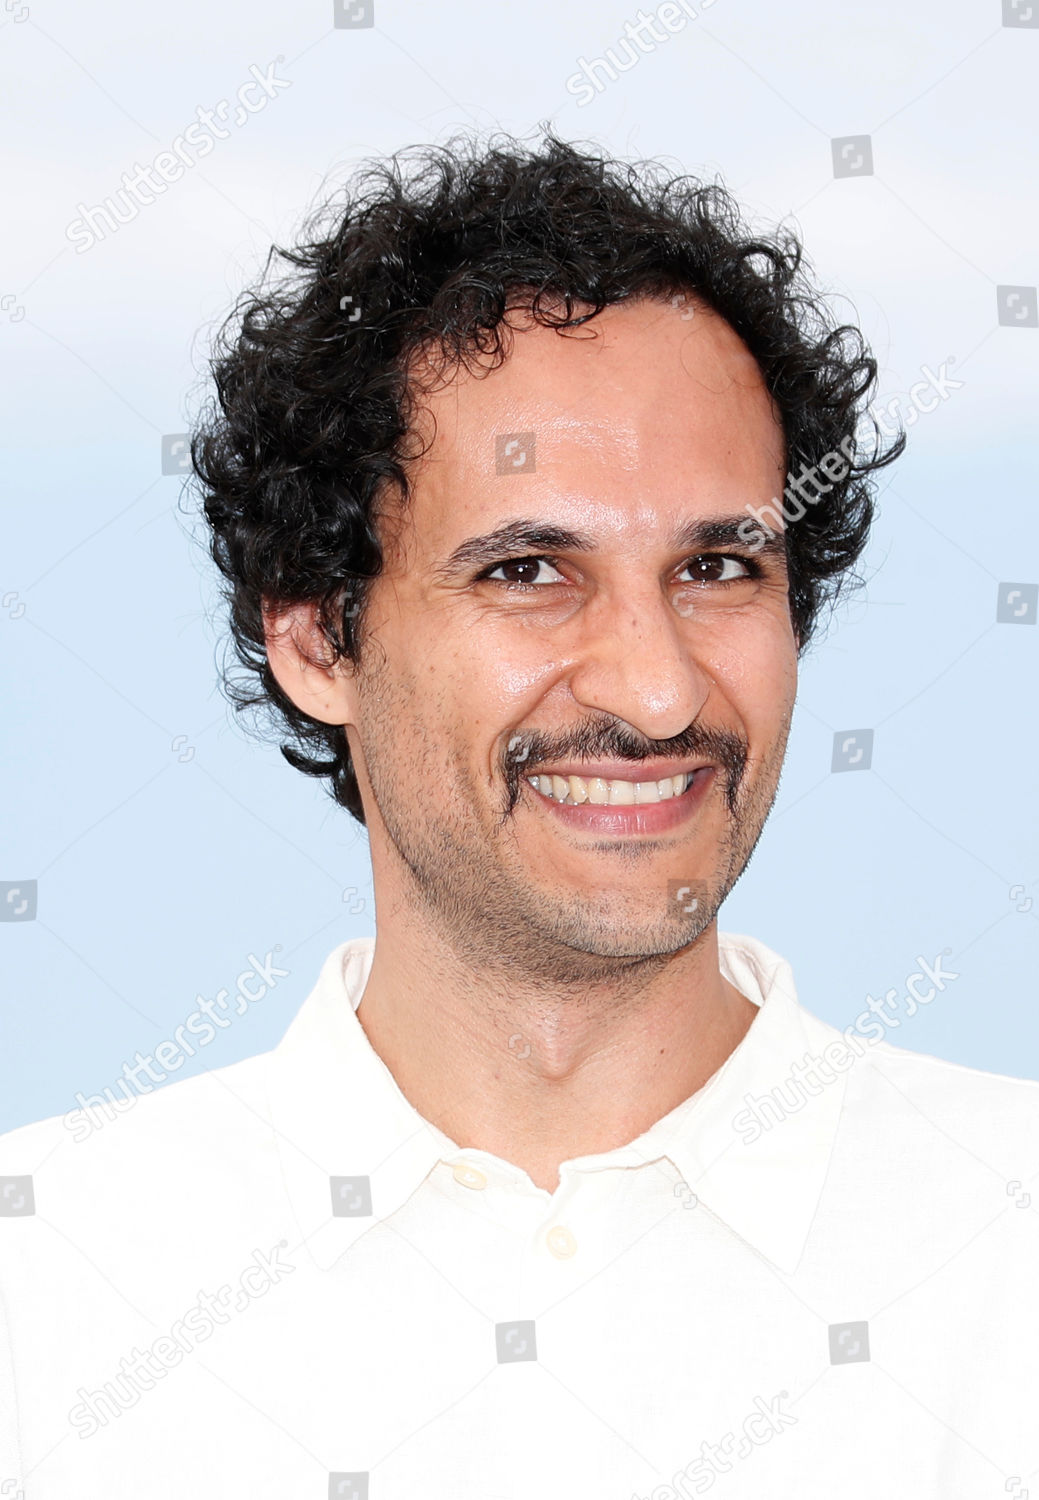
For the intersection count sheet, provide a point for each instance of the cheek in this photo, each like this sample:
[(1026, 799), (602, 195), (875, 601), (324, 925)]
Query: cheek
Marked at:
[(447, 693), (497, 673), (755, 671), (488, 694)]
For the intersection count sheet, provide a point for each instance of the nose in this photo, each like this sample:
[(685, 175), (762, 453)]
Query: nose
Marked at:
[(636, 661)]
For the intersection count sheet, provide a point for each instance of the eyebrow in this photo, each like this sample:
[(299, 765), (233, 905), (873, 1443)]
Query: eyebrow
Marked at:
[(531, 537)]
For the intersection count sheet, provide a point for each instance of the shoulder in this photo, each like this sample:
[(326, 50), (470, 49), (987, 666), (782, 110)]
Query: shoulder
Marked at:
[(991, 1113), (199, 1151), (183, 1111)]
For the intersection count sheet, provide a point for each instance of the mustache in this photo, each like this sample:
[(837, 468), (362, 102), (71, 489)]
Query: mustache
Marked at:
[(606, 739)]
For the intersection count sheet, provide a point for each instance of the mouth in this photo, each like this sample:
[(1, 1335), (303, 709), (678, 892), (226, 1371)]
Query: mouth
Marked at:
[(619, 804), (615, 791)]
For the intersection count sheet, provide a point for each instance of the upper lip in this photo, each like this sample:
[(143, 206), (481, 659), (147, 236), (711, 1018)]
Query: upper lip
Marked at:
[(609, 770)]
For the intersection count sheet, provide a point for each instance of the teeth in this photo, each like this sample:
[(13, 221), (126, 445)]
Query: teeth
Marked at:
[(574, 790)]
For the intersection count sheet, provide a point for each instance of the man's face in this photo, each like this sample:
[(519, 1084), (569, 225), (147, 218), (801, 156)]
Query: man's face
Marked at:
[(642, 647)]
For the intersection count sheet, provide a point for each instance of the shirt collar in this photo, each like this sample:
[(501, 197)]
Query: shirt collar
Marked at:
[(338, 1113), (764, 1183)]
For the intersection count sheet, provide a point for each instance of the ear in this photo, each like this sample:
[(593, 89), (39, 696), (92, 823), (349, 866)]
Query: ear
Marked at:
[(300, 659)]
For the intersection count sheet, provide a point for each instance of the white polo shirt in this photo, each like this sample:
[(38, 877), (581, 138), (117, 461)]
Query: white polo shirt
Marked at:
[(816, 1277)]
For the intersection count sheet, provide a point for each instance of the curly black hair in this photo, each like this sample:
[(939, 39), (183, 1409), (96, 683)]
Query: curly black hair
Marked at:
[(316, 388)]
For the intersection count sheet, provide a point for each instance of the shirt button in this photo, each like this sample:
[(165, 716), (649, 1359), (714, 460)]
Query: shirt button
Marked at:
[(561, 1242), (470, 1177)]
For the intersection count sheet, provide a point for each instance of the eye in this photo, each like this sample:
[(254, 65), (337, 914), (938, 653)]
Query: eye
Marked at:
[(710, 567), (526, 567)]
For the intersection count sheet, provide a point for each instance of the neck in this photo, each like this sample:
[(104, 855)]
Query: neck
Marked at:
[(535, 1074)]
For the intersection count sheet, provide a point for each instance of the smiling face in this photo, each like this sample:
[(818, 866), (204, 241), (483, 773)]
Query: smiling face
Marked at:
[(566, 590)]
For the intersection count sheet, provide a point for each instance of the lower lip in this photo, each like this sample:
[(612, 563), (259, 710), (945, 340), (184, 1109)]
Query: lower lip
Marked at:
[(641, 817)]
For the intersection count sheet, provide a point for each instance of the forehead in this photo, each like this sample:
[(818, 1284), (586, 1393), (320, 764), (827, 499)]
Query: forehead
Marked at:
[(648, 407)]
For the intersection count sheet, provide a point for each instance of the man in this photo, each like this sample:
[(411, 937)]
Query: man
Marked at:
[(528, 487)]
